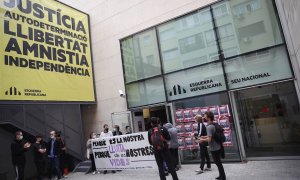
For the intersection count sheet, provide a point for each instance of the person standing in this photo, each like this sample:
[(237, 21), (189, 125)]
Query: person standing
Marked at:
[(214, 147), (18, 149), (128, 130), (90, 152), (158, 137), (104, 134), (62, 157), (201, 132), (54, 151), (117, 131), (39, 150), (173, 144)]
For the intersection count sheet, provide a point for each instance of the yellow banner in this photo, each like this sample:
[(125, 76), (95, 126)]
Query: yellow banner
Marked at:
[(45, 52)]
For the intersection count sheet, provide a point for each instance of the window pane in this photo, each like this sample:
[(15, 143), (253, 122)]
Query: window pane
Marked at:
[(245, 26), (140, 56), (257, 68), (197, 81), (146, 92), (188, 41)]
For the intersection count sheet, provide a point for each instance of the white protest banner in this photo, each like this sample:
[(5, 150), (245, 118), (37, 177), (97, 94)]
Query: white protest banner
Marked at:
[(130, 151)]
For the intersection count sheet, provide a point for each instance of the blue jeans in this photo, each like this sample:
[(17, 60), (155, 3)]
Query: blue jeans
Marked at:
[(54, 162)]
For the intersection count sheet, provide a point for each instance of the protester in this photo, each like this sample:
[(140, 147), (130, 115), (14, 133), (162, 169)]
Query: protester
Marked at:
[(39, 152), (173, 144), (128, 130), (214, 147), (117, 131), (90, 152), (54, 152), (62, 157), (18, 149), (201, 132), (158, 137), (106, 133)]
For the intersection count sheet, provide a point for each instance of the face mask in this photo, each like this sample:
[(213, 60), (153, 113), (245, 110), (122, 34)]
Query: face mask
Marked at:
[(93, 136), (106, 129), (52, 136), (114, 130), (21, 137), (117, 129)]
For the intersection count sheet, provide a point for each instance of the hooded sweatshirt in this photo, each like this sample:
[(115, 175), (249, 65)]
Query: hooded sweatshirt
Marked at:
[(173, 144)]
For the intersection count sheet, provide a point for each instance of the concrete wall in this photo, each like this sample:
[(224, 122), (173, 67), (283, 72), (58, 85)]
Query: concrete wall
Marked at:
[(290, 20), (112, 20)]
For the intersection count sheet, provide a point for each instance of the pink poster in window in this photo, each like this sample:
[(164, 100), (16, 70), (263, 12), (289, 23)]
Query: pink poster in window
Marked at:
[(187, 115), (188, 129), (179, 115), (181, 143), (224, 122), (229, 140), (195, 128), (203, 110), (195, 111), (224, 110), (180, 129), (189, 144)]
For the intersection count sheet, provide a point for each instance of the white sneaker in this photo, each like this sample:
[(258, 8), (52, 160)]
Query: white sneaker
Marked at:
[(94, 172), (199, 171), (207, 169)]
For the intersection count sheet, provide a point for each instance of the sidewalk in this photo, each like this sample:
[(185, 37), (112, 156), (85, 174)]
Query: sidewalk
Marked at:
[(252, 170)]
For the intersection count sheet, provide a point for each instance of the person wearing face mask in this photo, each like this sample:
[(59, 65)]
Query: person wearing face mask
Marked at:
[(117, 131), (106, 133), (39, 150), (54, 151), (90, 152), (18, 149)]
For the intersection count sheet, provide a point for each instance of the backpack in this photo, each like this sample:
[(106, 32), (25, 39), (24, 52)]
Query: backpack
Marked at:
[(219, 136), (158, 141)]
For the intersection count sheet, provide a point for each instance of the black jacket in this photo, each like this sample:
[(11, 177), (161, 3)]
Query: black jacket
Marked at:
[(165, 134), (56, 149), (115, 133), (203, 133), (18, 152)]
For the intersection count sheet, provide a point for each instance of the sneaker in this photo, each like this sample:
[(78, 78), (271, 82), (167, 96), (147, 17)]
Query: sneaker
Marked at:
[(64, 176), (207, 169), (105, 172), (98, 172), (113, 171), (200, 171), (94, 172)]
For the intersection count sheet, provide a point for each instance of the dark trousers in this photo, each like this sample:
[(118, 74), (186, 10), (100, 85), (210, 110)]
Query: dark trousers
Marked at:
[(40, 167), (204, 156), (54, 163), (160, 157), (62, 162), (19, 170), (174, 155), (93, 162), (217, 159)]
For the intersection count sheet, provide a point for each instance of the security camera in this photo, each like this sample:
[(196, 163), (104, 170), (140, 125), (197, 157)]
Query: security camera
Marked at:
[(122, 94)]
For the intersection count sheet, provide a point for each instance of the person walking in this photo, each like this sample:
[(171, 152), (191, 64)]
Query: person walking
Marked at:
[(173, 144), (18, 149), (201, 132), (90, 152), (214, 147), (104, 134), (54, 151), (158, 137), (39, 150)]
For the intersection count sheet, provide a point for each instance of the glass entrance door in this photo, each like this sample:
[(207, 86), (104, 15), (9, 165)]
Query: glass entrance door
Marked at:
[(269, 120)]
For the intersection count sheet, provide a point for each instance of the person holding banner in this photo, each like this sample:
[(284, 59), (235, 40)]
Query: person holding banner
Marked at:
[(117, 131), (158, 137), (106, 133), (90, 152)]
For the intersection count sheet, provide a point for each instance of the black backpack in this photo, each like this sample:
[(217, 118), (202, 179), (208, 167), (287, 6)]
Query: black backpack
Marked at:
[(219, 136), (158, 141)]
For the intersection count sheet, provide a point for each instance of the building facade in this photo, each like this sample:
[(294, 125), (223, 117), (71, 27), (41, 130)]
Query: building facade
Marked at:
[(237, 58)]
